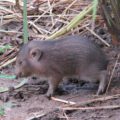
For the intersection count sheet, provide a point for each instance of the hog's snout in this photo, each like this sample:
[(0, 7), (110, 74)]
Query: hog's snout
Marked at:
[(18, 75)]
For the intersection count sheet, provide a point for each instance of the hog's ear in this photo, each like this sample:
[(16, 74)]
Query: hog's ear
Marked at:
[(36, 53)]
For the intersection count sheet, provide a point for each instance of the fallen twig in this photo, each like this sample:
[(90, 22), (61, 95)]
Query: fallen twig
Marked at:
[(113, 72), (98, 37), (102, 99), (63, 101), (92, 108), (65, 115), (36, 116), (74, 104), (8, 62), (12, 31), (6, 89), (74, 22)]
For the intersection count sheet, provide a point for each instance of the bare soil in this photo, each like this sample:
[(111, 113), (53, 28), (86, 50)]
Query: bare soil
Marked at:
[(29, 101)]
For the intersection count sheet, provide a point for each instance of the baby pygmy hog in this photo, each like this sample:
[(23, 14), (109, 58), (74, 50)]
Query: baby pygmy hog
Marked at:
[(69, 56)]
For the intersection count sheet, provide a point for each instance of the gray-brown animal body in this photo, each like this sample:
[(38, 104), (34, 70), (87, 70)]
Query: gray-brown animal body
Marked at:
[(69, 56)]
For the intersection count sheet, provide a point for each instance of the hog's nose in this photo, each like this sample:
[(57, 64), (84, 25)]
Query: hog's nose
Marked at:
[(18, 75)]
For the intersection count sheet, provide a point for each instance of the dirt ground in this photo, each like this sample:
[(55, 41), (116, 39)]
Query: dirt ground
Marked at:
[(30, 103)]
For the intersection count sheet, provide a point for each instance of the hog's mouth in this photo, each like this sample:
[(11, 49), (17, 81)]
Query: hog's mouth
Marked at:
[(21, 75)]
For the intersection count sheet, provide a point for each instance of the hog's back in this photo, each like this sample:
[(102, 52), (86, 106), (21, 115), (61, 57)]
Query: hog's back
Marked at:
[(71, 55)]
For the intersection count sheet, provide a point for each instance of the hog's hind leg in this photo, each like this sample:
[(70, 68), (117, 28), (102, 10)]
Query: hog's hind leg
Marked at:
[(103, 82)]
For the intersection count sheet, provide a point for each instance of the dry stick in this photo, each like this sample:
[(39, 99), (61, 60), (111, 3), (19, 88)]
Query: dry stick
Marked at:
[(8, 62), (63, 101), (53, 15), (39, 16), (56, 29), (7, 58), (41, 115), (92, 108), (83, 26), (4, 56), (12, 16), (38, 28), (112, 73), (74, 22), (18, 5), (6, 89), (6, 10), (50, 9), (69, 6), (86, 102), (65, 115), (5, 31), (1, 20), (101, 99), (36, 116), (44, 12), (98, 36), (61, 16), (71, 9)]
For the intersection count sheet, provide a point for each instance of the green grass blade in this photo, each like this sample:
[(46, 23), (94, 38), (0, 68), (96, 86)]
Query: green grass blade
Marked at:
[(25, 24), (4, 48), (5, 106), (2, 111), (95, 4), (3, 76)]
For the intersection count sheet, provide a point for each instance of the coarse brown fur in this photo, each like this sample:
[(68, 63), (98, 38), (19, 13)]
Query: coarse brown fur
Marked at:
[(68, 56)]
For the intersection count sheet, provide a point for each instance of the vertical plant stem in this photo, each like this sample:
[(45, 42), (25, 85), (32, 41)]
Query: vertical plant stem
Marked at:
[(25, 24), (95, 4)]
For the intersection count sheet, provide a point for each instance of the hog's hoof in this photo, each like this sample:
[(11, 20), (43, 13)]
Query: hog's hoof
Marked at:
[(49, 95)]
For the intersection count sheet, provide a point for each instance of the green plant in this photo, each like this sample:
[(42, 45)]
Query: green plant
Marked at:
[(25, 24), (2, 111)]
